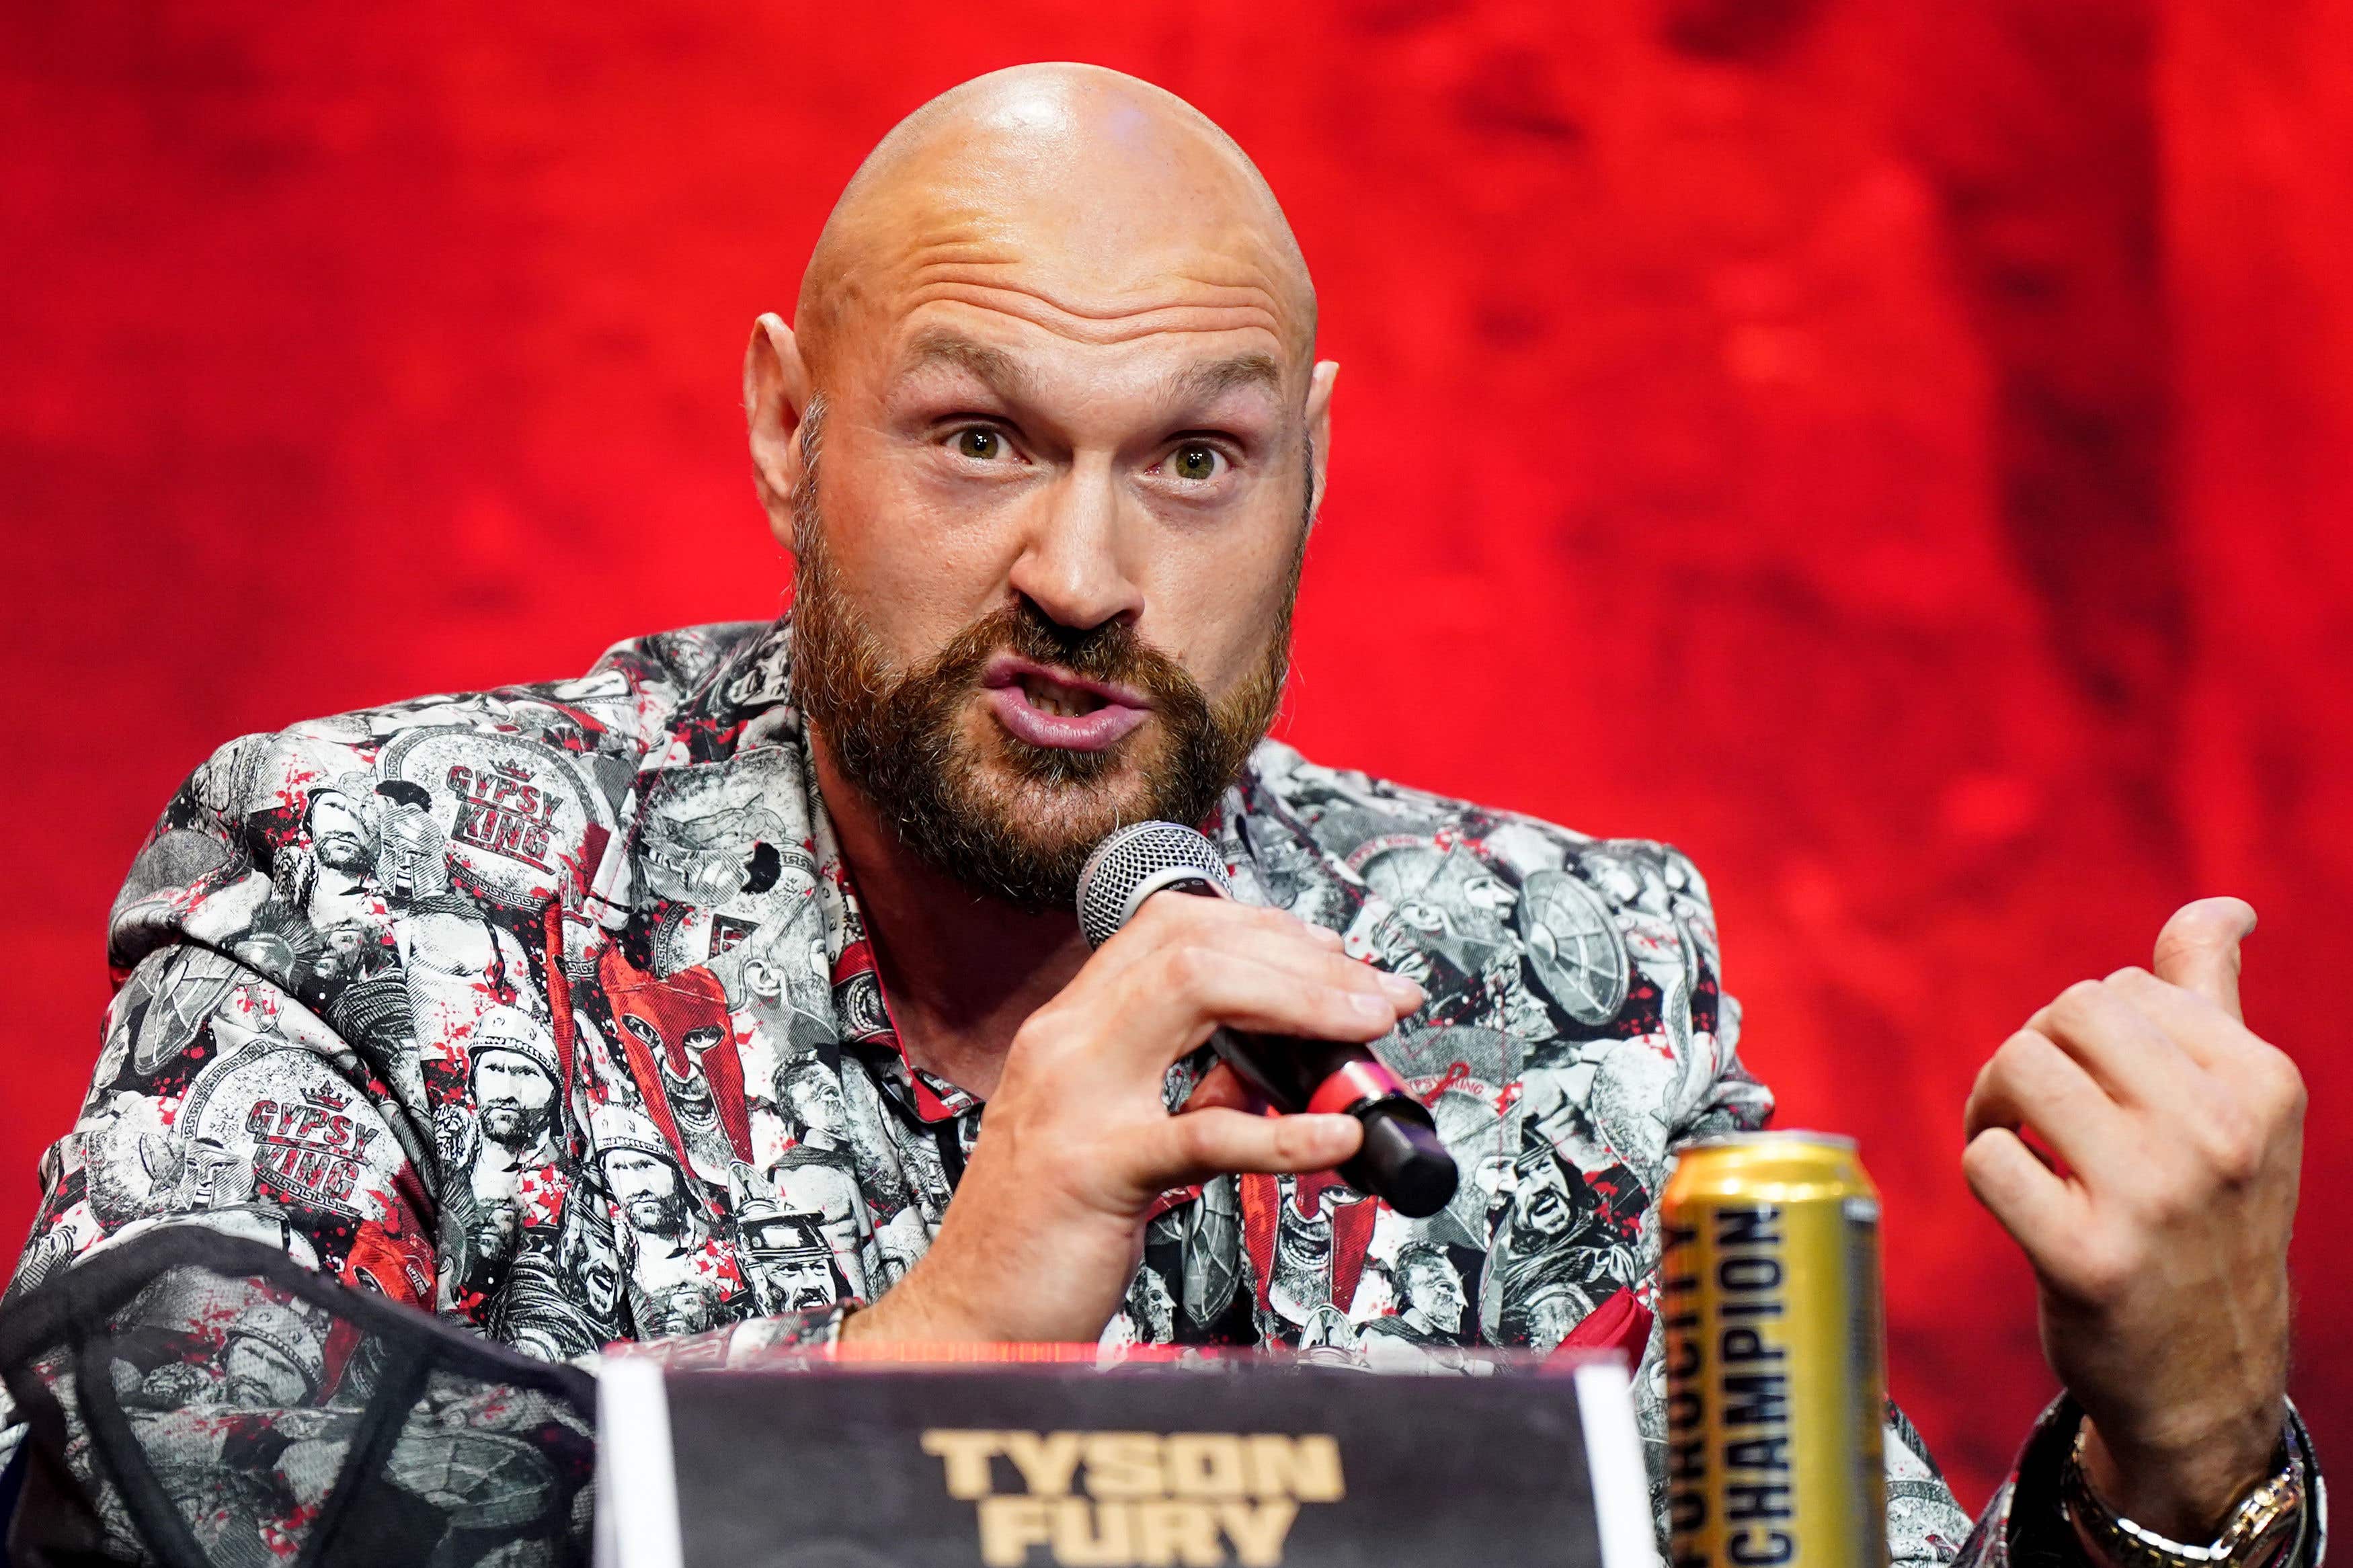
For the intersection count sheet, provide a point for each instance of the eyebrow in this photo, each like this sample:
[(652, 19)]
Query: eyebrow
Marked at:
[(991, 366), (1202, 382)]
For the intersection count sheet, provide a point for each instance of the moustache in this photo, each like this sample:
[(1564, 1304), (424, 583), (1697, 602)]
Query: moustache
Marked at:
[(1111, 654)]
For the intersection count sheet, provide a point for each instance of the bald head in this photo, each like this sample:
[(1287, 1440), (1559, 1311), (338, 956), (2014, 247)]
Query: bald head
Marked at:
[(1082, 201)]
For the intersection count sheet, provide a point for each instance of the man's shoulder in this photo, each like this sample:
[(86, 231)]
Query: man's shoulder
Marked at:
[(522, 781), (1369, 823), (614, 714), (1514, 924)]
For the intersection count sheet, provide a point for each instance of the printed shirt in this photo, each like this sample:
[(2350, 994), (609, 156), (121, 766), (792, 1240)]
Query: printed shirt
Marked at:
[(550, 1009)]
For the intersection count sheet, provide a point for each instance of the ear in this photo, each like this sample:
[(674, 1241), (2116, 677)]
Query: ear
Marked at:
[(1319, 427), (776, 391)]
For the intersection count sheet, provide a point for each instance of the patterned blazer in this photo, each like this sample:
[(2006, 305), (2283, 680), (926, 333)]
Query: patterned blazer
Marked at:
[(550, 1010)]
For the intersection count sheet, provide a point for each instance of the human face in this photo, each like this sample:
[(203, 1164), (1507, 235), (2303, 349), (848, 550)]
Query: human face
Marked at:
[(1435, 1292), (261, 1378), (600, 1284), (514, 1096), (340, 836), (1005, 757), (1069, 447), (816, 1100), (1547, 1208), (805, 1282), (647, 1190)]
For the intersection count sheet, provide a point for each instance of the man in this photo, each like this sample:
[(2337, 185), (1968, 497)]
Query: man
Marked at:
[(1426, 1327), (1047, 437), (812, 1105), (1552, 1255), (676, 1283), (823, 1187), (506, 1142), (799, 1270)]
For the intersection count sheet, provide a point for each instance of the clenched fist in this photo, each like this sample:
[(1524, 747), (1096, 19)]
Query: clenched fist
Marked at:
[(2159, 1235)]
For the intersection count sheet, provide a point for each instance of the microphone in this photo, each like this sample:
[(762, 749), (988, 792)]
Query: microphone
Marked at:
[(1402, 1160)]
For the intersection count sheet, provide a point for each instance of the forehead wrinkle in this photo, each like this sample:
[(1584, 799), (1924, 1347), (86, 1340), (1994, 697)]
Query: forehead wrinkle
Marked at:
[(964, 249), (1102, 328), (1177, 302)]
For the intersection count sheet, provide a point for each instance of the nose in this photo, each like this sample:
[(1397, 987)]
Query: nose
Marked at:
[(1073, 563)]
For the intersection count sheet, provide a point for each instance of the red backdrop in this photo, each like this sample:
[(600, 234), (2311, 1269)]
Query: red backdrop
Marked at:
[(1899, 451)]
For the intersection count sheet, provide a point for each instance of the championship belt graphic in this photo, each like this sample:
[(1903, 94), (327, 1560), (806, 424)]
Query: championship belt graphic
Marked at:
[(270, 1110), (519, 818)]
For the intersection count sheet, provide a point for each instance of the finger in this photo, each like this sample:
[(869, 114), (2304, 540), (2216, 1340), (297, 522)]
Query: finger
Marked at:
[(2235, 1063), (1197, 1145), (1222, 1087), (2204, 1030), (1269, 937), (2041, 1212), (1172, 1003), (2131, 1055), (1176, 916), (1273, 936), (2199, 949), (2030, 1082)]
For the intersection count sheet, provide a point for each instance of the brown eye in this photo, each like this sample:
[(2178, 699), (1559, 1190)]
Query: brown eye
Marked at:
[(981, 444), (1194, 461)]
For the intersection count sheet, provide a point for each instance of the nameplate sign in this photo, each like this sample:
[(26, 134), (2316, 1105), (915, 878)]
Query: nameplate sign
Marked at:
[(1274, 1466)]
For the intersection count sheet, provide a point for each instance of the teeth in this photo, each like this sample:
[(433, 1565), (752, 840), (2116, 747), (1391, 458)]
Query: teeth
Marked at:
[(1060, 701)]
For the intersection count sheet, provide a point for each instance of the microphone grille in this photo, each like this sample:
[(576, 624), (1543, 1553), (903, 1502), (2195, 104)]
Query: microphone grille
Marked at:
[(1136, 862)]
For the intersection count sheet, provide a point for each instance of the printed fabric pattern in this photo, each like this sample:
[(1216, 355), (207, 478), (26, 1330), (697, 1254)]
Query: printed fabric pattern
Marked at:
[(550, 1010)]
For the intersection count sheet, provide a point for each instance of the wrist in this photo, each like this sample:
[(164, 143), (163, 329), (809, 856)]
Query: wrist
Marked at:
[(913, 1312), (2184, 1488)]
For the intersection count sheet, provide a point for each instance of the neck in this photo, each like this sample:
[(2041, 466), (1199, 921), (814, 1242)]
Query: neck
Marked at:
[(962, 971)]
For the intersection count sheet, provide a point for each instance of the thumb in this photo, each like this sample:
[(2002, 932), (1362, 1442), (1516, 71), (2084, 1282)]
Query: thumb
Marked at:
[(2199, 949)]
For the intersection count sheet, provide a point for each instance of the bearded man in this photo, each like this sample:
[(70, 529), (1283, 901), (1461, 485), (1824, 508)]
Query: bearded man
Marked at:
[(507, 1143), (1047, 437)]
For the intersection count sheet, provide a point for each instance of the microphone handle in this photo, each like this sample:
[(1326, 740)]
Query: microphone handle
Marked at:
[(1402, 1160)]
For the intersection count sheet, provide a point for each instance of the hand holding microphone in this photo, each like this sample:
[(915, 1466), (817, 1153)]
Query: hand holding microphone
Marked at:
[(1046, 1224), (1402, 1159)]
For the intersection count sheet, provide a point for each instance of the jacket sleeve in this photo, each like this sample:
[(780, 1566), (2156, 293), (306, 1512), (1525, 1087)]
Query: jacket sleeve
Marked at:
[(224, 1093), (306, 996), (261, 1092)]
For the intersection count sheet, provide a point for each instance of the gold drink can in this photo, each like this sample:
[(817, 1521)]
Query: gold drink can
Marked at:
[(1770, 1297)]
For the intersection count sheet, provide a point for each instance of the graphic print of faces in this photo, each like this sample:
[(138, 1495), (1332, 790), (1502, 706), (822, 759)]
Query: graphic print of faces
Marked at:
[(651, 1198), (515, 1098), (340, 835), (1433, 1290), (816, 1102), (806, 1279)]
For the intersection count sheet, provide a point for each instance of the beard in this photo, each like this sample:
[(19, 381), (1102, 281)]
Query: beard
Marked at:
[(655, 1215), (511, 1125), (1016, 825)]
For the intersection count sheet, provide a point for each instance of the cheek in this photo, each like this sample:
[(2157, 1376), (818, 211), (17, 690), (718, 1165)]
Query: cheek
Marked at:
[(917, 569), (1211, 602)]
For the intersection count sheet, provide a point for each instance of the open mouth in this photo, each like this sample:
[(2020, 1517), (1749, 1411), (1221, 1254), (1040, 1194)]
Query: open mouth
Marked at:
[(1048, 707)]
